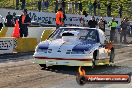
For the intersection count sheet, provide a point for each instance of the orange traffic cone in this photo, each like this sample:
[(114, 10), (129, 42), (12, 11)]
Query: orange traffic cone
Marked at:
[(16, 32)]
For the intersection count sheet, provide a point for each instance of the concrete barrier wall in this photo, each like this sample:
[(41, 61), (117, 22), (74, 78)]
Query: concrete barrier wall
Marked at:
[(34, 32), (25, 44), (3, 31), (10, 44), (6, 45)]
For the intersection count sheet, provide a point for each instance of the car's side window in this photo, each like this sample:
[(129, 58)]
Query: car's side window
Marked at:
[(92, 35)]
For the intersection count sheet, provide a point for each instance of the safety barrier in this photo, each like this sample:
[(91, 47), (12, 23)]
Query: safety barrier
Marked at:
[(3, 31), (46, 34), (6, 45), (10, 44), (25, 44)]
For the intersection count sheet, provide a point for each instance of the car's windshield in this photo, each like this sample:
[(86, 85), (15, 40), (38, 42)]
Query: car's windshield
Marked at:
[(84, 34)]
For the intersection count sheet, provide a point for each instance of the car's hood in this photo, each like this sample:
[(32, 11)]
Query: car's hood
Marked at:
[(62, 45)]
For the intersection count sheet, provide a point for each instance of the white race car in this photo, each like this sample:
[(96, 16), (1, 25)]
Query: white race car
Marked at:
[(74, 46)]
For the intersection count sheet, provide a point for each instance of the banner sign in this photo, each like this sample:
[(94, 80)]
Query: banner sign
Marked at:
[(71, 19), (6, 45), (47, 18)]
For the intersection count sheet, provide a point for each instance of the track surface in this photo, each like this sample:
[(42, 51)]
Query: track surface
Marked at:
[(19, 71)]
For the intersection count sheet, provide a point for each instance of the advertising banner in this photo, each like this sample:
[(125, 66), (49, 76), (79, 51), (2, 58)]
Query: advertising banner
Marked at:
[(6, 45)]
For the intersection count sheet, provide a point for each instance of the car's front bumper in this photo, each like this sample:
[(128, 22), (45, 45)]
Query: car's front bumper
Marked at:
[(51, 62)]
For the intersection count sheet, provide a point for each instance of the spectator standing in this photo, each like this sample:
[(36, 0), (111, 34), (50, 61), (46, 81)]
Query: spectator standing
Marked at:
[(85, 13), (39, 5), (43, 5), (63, 4), (113, 25), (17, 4), (70, 7), (14, 18), (56, 6), (59, 18), (80, 7), (101, 24), (90, 7), (82, 22), (92, 23), (23, 4), (1, 22), (76, 7), (95, 6), (46, 5), (108, 9), (120, 10), (99, 7), (24, 22), (9, 20), (64, 16), (1, 25), (124, 26)]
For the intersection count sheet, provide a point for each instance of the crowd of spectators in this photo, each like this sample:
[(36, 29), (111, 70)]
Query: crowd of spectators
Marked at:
[(77, 7), (124, 29), (10, 19), (74, 6)]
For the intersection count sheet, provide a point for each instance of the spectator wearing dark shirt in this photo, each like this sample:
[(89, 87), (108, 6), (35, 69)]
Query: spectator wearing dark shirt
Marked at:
[(92, 23), (1, 22), (120, 10), (90, 7), (23, 4), (56, 5), (63, 4), (95, 6), (24, 21), (80, 7), (46, 5), (108, 9), (39, 5), (1, 25), (17, 4), (76, 7), (85, 13), (14, 18), (9, 19), (124, 29), (99, 7)]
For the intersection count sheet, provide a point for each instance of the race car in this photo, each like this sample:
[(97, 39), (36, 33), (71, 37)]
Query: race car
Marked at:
[(75, 46)]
